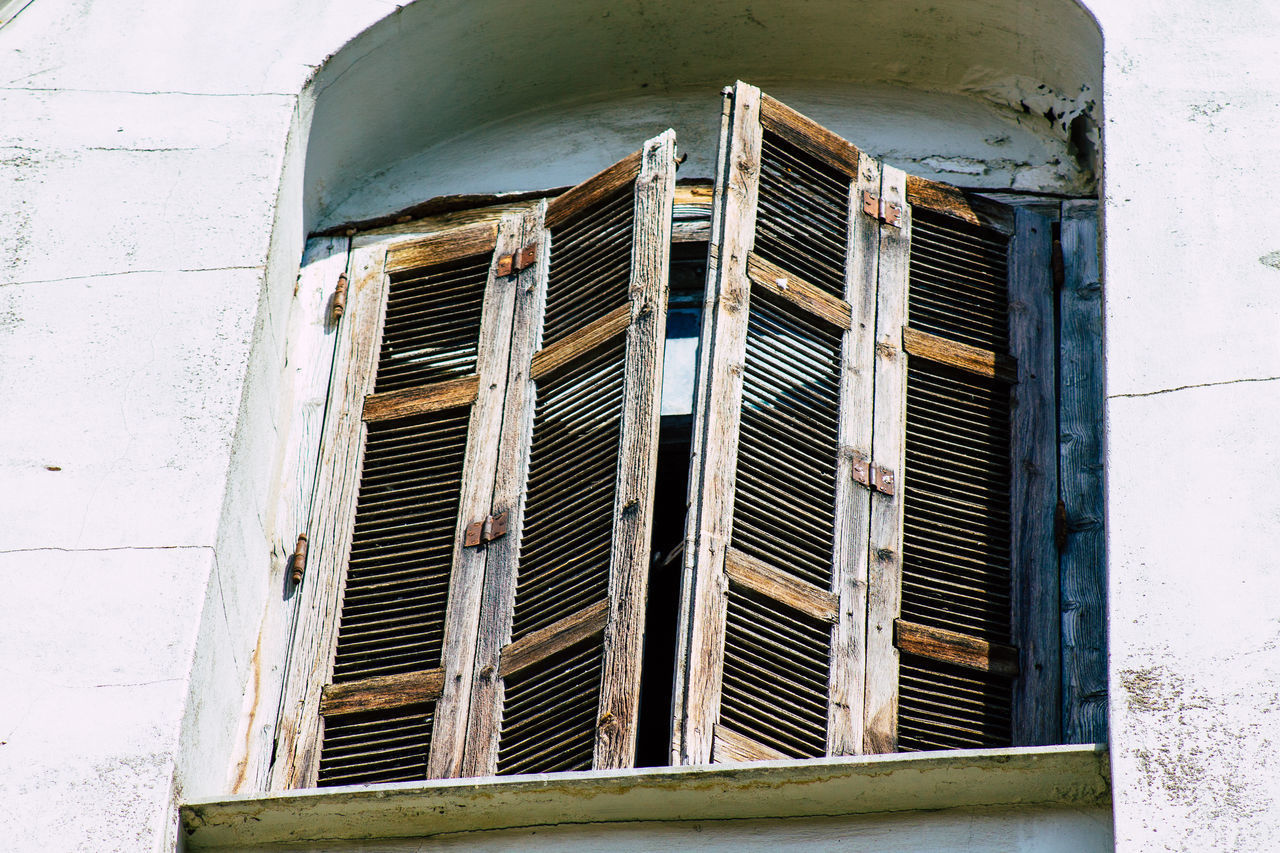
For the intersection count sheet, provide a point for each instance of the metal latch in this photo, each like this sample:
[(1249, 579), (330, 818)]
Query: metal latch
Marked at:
[(886, 212), (517, 261), (874, 476), (487, 530)]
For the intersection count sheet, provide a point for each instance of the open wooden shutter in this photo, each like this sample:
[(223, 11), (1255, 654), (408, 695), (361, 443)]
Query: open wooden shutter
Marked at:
[(772, 642), (971, 606), (416, 405), (558, 666)]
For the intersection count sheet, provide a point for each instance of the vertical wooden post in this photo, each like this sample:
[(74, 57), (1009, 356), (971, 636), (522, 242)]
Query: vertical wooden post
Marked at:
[(1083, 554), (705, 651), (1034, 490), (884, 594), (633, 508)]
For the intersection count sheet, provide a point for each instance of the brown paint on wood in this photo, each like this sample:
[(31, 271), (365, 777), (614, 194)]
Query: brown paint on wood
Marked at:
[(955, 648), (581, 343), (962, 356), (959, 204), (729, 747), (485, 717), (713, 505), (800, 293), (382, 692), (615, 744), (1034, 490), (419, 401), (544, 642), (1082, 558), (477, 239), (804, 132), (754, 574), (593, 189)]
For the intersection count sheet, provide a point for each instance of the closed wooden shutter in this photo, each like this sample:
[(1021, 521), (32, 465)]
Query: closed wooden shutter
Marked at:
[(772, 642), (557, 681), (410, 462)]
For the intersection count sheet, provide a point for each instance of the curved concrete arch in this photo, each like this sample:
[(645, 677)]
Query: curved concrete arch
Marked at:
[(446, 96)]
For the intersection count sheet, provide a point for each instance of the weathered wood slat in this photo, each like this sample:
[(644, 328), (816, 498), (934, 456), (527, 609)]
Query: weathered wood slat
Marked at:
[(705, 620), (545, 642), (691, 214), (433, 224), (615, 744), (772, 278), (466, 582), (963, 356), (311, 339), (1034, 490), (697, 446), (959, 204), (757, 575), (382, 692), (593, 189), (1083, 555), (845, 729), (807, 134), (420, 401), (468, 240), (484, 719), (582, 342), (342, 446), (884, 602), (729, 747), (954, 648)]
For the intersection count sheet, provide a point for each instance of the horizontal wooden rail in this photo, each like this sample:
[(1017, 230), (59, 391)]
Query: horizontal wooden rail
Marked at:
[(421, 400), (382, 692), (951, 647)]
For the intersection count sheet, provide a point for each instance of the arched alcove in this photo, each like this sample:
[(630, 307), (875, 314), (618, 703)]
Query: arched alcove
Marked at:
[(450, 96)]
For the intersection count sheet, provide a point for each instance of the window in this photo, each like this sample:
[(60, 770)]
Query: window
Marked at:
[(868, 561)]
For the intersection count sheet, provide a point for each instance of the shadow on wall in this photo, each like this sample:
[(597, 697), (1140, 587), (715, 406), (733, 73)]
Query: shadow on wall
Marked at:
[(486, 96)]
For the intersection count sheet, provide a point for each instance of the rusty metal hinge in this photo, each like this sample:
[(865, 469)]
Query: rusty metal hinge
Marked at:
[(887, 212), (298, 562), (339, 300), (486, 530), (517, 261), (874, 476)]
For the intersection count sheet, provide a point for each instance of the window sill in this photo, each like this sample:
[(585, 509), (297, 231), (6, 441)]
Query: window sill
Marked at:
[(1023, 777)]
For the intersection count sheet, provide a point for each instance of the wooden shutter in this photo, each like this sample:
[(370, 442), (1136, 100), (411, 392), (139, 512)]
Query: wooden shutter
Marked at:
[(416, 405), (557, 678), (772, 641), (971, 605)]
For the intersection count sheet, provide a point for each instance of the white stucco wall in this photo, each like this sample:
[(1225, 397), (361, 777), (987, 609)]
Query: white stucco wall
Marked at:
[(152, 213)]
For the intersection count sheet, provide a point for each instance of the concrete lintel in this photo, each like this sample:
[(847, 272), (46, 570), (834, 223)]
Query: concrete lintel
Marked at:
[(1031, 776)]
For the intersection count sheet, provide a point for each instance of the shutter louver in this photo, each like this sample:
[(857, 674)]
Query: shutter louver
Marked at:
[(769, 639), (559, 658)]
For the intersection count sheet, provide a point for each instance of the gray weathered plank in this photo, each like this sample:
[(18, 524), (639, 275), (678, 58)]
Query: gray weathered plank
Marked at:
[(1083, 556), (800, 293), (719, 437), (498, 598), (638, 456), (884, 595), (466, 581), (342, 448), (1034, 490), (758, 576), (729, 747), (554, 638), (845, 721), (461, 242)]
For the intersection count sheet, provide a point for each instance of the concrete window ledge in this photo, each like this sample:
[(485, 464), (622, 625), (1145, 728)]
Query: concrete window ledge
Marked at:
[(1011, 778)]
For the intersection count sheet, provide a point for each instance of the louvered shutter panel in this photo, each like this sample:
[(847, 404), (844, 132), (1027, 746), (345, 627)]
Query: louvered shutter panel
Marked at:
[(772, 640), (972, 604), (558, 666), (418, 406)]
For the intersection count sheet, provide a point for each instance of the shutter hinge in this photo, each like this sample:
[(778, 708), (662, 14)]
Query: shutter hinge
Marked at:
[(487, 530), (298, 562), (517, 261), (873, 476), (887, 212), (339, 300)]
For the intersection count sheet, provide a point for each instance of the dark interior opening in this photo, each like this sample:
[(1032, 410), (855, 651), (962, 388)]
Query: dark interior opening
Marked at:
[(671, 488)]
